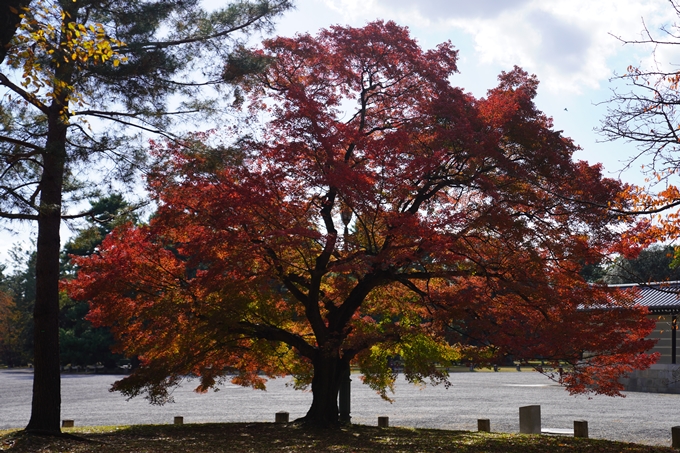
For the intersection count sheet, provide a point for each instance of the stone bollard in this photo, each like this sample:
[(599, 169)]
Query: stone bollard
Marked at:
[(530, 419), (675, 433), (67, 423), (179, 420), (581, 428), (383, 422), (484, 425), (282, 417)]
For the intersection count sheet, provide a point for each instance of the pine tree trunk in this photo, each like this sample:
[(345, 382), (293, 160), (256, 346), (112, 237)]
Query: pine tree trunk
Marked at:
[(328, 374), (9, 19), (46, 404)]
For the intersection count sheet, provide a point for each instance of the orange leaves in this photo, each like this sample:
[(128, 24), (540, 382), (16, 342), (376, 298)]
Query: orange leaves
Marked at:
[(660, 223)]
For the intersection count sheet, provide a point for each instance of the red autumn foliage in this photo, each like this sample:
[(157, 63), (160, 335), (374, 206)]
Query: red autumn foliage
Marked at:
[(380, 212)]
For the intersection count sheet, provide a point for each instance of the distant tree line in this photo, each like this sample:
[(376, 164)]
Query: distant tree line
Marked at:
[(657, 263), (81, 344)]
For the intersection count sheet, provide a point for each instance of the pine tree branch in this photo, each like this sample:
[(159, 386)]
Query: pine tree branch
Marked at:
[(112, 115), (15, 141), (138, 126), (157, 45), (17, 216)]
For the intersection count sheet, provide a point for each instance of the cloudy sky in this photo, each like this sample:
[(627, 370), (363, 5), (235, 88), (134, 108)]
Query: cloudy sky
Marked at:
[(568, 44)]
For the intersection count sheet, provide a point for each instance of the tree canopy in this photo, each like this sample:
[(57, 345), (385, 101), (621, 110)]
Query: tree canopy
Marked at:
[(376, 212)]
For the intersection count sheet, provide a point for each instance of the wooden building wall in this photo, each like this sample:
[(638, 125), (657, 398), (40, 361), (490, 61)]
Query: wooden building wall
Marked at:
[(663, 332)]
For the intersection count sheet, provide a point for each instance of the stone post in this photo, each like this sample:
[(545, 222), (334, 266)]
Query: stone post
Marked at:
[(179, 421), (383, 422), (281, 417), (530, 419), (484, 425), (581, 428), (675, 432)]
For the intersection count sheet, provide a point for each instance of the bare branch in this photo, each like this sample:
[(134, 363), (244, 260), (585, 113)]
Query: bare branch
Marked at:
[(28, 97)]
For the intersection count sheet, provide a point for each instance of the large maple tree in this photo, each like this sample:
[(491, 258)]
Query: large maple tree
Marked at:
[(378, 212)]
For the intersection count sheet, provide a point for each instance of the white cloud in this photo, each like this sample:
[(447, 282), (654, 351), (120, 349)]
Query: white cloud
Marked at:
[(438, 9), (567, 43)]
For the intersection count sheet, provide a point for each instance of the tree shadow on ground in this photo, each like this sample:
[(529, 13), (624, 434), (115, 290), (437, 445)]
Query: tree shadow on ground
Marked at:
[(269, 437)]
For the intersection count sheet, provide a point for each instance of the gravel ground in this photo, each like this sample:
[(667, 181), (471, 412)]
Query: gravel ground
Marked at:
[(644, 418)]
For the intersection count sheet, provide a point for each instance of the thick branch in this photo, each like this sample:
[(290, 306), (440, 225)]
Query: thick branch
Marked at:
[(273, 333), (17, 216), (15, 141), (338, 320)]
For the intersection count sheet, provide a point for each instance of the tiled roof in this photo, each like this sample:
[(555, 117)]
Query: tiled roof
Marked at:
[(658, 297)]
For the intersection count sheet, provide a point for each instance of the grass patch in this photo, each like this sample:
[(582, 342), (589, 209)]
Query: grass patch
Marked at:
[(269, 437)]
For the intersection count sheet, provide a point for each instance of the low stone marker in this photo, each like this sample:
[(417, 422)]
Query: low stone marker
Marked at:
[(281, 417), (484, 425), (179, 420), (67, 423), (581, 428), (675, 434), (530, 419), (383, 422)]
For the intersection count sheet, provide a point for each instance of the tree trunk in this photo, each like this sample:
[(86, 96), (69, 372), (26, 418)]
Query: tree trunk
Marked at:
[(328, 375), (9, 20), (46, 404)]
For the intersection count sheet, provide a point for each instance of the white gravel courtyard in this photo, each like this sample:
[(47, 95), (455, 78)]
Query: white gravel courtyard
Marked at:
[(640, 417)]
